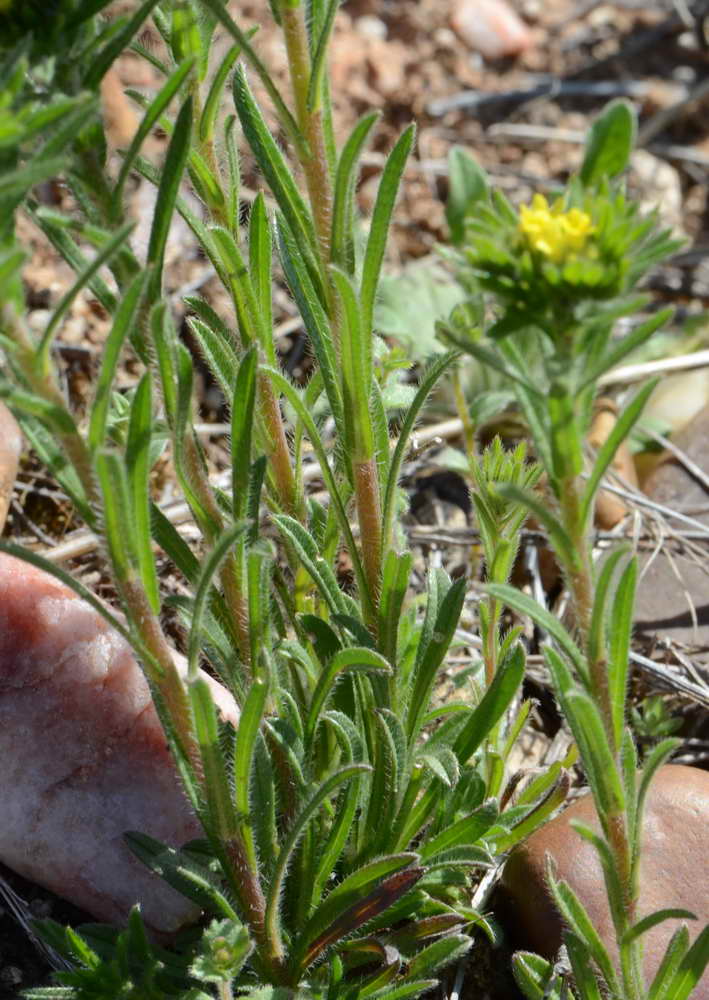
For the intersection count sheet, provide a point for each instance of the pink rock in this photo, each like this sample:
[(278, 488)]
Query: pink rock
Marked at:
[(84, 757), (490, 27), (10, 451)]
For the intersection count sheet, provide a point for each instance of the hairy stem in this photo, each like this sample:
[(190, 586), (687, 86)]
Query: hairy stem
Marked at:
[(279, 454), (166, 678), (247, 888), (366, 483), (314, 162)]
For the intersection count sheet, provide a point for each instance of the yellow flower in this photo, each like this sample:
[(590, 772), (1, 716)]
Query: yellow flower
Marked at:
[(553, 232)]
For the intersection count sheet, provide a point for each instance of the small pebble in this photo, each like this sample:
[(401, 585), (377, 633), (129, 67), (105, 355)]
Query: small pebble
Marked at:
[(490, 27)]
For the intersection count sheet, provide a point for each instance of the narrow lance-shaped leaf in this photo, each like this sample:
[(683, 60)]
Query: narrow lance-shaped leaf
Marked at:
[(356, 361), (379, 228), (122, 322), (242, 421), (210, 567), (526, 605), (272, 163), (155, 109), (170, 181), (260, 253), (426, 385), (215, 786), (300, 823), (246, 737), (619, 651), (625, 423), (319, 64), (435, 650), (343, 197), (610, 143), (493, 704), (138, 469)]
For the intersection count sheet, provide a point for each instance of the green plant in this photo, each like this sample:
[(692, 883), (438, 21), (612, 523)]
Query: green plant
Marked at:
[(345, 813), (558, 275)]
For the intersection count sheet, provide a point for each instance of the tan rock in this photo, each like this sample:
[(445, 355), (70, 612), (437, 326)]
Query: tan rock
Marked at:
[(84, 757), (674, 869), (490, 27)]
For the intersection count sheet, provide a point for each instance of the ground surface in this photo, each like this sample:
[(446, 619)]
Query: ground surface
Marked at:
[(405, 59)]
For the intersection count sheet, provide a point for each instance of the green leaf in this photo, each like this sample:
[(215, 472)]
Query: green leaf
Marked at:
[(218, 353), (526, 605), (138, 471), (246, 738), (353, 658), (314, 317), (215, 785), (343, 197), (295, 399), (214, 96), (691, 968), (153, 112), (609, 144), (242, 423), (626, 345), (493, 704), (623, 426), (677, 948), (535, 976), (118, 517), (432, 654), (260, 253), (123, 321), (273, 165), (599, 615), (652, 920), (467, 184), (170, 180), (585, 721), (574, 914), (467, 830), (319, 64), (395, 581), (584, 972), (439, 954), (69, 250), (535, 818), (112, 246), (426, 385), (619, 646), (189, 878), (209, 567), (379, 228), (296, 831), (309, 554), (356, 362)]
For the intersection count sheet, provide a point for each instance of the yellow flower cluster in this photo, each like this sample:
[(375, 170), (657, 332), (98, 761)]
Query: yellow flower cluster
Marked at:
[(553, 232)]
